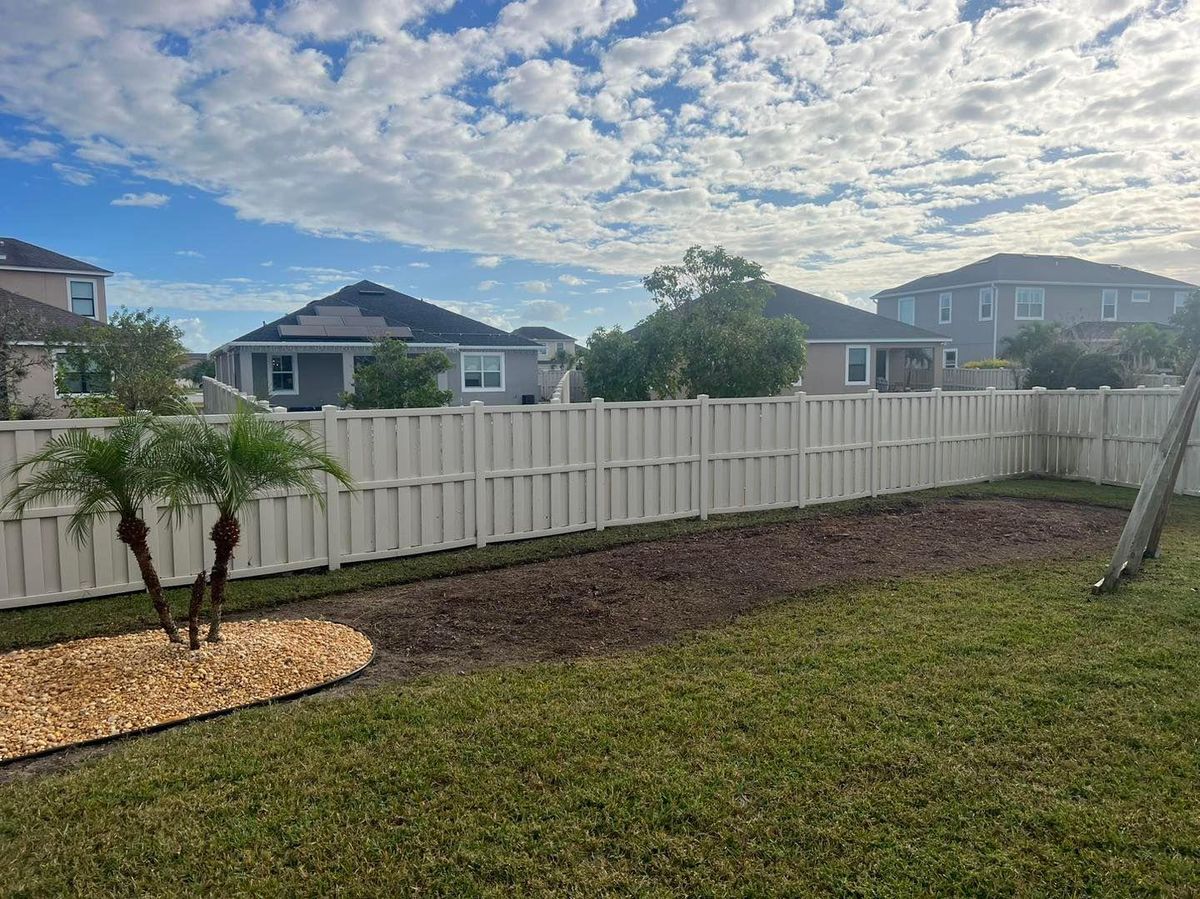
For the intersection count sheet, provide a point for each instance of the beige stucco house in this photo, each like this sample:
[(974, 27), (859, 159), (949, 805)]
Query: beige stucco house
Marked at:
[(551, 342), (55, 294), (978, 305)]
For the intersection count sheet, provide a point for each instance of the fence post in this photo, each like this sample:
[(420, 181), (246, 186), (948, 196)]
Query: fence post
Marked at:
[(480, 480), (800, 439), (1041, 428), (702, 399), (598, 431), (333, 529), (873, 429), (991, 420), (937, 436), (1101, 426)]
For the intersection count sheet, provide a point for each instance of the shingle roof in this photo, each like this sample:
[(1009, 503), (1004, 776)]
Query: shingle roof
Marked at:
[(429, 323), (541, 332), (19, 254), (1027, 267), (831, 320), (49, 316)]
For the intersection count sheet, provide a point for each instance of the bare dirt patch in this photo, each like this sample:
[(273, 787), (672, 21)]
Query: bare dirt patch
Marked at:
[(99, 687), (647, 593)]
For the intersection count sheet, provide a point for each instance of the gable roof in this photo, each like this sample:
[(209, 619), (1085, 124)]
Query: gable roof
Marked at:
[(1031, 268), (50, 317), (19, 254), (541, 332), (831, 321), (425, 322)]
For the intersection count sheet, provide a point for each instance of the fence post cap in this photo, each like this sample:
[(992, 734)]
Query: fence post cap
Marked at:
[(991, 389), (279, 408), (476, 402), (1105, 387), (873, 392), (329, 407), (1039, 389), (597, 399), (1070, 388), (935, 390)]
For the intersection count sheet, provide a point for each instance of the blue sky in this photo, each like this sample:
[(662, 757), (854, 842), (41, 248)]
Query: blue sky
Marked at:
[(526, 161)]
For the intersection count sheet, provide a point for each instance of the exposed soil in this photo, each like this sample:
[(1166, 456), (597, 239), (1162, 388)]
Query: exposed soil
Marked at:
[(646, 593)]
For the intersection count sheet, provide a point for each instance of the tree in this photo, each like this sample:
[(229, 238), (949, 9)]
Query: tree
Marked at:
[(1031, 340), (136, 357), (1051, 367), (393, 379), (228, 467), (1147, 345), (115, 473), (1187, 324), (1092, 370), (615, 366), (18, 325), (205, 368)]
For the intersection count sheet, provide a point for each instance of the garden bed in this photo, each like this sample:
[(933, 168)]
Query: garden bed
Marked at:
[(88, 690)]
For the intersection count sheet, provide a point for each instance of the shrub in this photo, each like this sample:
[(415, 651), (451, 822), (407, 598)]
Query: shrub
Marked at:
[(1092, 370), (988, 363), (1051, 367)]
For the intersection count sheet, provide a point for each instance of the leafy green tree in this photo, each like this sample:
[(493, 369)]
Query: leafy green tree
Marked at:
[(135, 357), (1147, 345), (1051, 366), (227, 467), (1092, 370), (114, 473), (205, 368), (615, 366), (1187, 324), (1031, 340), (393, 379)]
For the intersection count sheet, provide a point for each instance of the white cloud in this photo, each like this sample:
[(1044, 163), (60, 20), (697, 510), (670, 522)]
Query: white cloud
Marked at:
[(268, 263), (487, 285), (539, 87), (571, 280), (73, 175), (194, 337), (191, 254), (535, 286), (488, 261), (148, 200), (544, 311), (35, 150), (415, 265)]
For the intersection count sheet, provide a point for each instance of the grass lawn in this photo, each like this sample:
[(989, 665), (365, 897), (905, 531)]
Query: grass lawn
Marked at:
[(991, 732), (119, 614)]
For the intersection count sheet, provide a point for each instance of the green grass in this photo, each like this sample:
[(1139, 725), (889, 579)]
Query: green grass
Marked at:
[(986, 733), (119, 614)]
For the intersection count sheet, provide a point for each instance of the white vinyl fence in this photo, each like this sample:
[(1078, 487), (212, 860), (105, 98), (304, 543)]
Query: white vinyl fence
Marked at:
[(982, 378), (434, 479), (221, 399)]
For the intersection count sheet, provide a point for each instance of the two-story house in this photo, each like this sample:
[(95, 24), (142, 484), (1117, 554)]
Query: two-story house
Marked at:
[(50, 294), (552, 342), (980, 304)]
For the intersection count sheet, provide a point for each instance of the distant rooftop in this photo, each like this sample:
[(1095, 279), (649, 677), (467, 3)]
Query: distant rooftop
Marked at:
[(20, 254), (833, 321), (1032, 268), (541, 332)]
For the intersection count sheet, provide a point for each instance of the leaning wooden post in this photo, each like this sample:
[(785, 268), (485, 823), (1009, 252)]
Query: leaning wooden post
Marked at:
[(1157, 486), (1152, 543)]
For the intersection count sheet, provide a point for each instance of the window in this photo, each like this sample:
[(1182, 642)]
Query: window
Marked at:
[(483, 371), (71, 380), (83, 297), (906, 310), (1031, 302), (944, 303), (283, 373), (543, 350), (561, 347), (1108, 305), (986, 302), (949, 358), (1181, 300), (1140, 296), (856, 365)]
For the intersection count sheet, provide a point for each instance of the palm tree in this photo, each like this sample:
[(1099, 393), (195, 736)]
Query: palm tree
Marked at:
[(115, 473), (1032, 340), (1147, 344), (228, 466)]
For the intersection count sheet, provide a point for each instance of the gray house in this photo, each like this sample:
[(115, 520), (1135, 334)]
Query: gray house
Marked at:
[(551, 341), (307, 358), (980, 304)]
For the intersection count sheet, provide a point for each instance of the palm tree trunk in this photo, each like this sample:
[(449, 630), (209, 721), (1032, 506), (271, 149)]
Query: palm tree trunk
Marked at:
[(225, 535), (194, 611), (134, 533)]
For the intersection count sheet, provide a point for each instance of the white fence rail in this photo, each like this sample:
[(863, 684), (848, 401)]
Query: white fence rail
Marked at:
[(982, 378), (434, 479), (222, 399)]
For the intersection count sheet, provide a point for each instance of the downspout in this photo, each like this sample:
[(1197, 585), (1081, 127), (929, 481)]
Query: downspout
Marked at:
[(995, 320)]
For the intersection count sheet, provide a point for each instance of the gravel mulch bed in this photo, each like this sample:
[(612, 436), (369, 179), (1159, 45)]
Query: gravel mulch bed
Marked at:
[(88, 689)]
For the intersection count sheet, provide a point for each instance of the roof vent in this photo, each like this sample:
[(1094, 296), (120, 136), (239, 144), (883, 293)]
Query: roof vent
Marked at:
[(367, 291)]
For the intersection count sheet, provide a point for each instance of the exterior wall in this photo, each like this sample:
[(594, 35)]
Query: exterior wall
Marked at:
[(1065, 303), (825, 373), (39, 382), (51, 288), (520, 380), (550, 349)]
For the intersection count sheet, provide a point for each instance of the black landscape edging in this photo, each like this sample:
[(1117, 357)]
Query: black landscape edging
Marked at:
[(205, 716)]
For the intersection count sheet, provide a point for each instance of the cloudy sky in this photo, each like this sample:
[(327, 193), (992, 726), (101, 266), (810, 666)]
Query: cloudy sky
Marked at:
[(528, 161)]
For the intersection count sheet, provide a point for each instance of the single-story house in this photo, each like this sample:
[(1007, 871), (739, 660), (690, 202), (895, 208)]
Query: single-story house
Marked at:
[(851, 350), (552, 342), (307, 358)]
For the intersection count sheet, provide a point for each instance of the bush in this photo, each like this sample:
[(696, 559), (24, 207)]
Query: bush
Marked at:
[(1092, 370), (1051, 367), (988, 363)]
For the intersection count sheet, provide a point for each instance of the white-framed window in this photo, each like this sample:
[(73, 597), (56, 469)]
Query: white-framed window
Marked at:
[(284, 373), (945, 304), (1108, 304), (544, 350), (949, 358), (857, 364), (1031, 303), (561, 347), (906, 310), (482, 371), (72, 380), (81, 297), (1181, 299), (987, 303), (1140, 295)]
